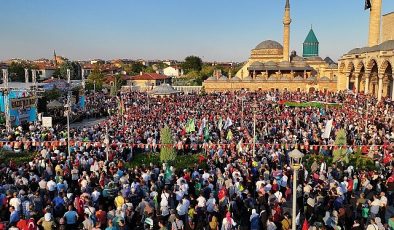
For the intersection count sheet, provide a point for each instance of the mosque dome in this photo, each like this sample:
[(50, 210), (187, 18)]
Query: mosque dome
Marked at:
[(269, 44), (314, 58), (387, 45), (223, 78), (271, 64), (235, 79), (248, 78), (284, 64), (257, 64)]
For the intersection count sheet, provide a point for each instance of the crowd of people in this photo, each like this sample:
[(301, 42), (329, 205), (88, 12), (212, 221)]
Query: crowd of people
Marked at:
[(245, 183)]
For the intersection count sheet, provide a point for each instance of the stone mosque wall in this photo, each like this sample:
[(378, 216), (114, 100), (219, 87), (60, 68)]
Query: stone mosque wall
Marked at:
[(388, 27)]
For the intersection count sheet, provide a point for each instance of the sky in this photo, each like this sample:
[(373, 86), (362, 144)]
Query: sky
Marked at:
[(215, 30)]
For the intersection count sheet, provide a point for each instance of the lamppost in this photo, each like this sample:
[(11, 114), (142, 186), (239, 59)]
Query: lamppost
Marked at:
[(83, 88), (242, 110), (6, 100), (366, 116), (254, 107), (295, 162), (68, 108), (106, 142)]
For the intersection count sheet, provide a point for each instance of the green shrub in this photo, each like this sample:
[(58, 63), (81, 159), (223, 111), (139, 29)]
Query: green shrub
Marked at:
[(17, 158), (167, 152)]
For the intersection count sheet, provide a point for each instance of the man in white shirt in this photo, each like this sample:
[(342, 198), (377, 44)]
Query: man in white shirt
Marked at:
[(201, 201), (16, 202), (42, 184)]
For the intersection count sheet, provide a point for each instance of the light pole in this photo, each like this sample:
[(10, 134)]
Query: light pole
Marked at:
[(255, 107), (106, 142), (6, 101), (83, 88), (366, 117), (295, 162), (68, 106), (242, 110), (94, 86)]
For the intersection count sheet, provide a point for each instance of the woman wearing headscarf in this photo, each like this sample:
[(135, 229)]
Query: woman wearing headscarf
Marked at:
[(254, 220), (228, 222)]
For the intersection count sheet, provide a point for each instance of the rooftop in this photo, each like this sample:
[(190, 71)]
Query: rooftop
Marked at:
[(149, 76)]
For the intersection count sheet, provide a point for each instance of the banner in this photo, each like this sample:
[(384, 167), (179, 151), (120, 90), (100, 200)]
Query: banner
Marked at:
[(47, 122), (327, 130)]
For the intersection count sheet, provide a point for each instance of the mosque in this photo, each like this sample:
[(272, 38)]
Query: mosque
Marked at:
[(272, 67), (370, 69)]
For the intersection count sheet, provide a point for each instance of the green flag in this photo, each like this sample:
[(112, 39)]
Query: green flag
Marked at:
[(206, 133), (220, 123), (229, 135)]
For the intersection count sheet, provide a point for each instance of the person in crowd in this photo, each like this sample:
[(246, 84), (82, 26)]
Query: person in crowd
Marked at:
[(236, 185)]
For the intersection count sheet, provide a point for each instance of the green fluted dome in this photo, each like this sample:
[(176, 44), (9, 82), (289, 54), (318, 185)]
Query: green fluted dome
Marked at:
[(311, 45)]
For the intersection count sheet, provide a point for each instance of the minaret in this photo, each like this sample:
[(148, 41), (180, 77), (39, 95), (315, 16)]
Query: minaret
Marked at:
[(286, 32), (374, 22), (54, 58)]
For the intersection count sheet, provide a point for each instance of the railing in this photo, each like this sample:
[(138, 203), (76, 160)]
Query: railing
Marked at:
[(188, 89), (185, 89)]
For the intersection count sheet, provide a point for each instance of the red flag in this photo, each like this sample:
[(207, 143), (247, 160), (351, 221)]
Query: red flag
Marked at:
[(305, 226)]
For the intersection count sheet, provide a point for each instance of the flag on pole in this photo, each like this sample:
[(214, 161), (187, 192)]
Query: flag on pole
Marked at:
[(367, 4), (327, 130), (229, 135), (204, 122), (228, 123), (200, 130), (220, 123), (206, 133), (190, 127), (121, 106), (239, 146)]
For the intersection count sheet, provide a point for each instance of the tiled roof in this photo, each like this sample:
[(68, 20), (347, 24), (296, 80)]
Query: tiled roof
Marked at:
[(149, 76)]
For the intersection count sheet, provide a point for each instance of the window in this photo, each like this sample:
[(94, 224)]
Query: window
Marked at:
[(298, 89)]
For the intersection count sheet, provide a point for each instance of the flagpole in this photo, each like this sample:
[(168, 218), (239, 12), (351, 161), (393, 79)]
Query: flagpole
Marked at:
[(68, 111), (254, 128)]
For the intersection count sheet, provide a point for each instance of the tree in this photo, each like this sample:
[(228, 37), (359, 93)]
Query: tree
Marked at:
[(63, 70), (149, 69), (192, 63), (340, 153), (16, 72), (167, 152), (118, 82), (96, 77), (136, 68), (47, 96), (193, 74)]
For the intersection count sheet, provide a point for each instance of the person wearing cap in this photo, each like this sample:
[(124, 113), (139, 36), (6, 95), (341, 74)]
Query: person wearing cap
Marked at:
[(47, 222)]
